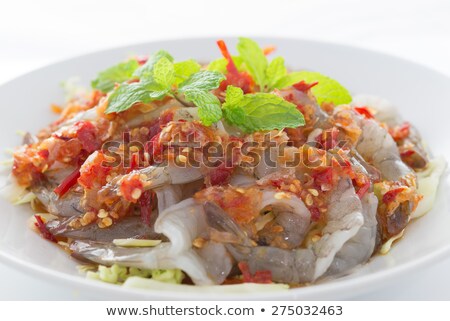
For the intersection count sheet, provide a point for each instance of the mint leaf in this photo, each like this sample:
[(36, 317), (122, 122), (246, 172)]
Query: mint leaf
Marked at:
[(202, 80), (233, 113), (254, 59), (261, 111), (220, 64), (233, 96), (328, 90), (121, 72), (288, 80), (127, 95), (197, 89), (164, 72), (146, 71), (275, 71), (184, 69), (209, 110)]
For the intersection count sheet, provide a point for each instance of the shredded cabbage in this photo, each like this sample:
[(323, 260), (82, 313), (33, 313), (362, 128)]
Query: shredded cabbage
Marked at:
[(148, 284), (24, 199), (136, 242), (7, 162), (72, 88), (428, 182), (12, 191), (117, 274)]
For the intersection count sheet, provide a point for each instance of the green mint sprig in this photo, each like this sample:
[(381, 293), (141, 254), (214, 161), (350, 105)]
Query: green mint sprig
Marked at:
[(161, 77), (260, 111)]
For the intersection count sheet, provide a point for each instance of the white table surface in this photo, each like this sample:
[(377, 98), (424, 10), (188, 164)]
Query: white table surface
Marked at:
[(37, 33)]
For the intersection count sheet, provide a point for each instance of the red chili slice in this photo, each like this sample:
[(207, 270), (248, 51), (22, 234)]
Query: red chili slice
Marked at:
[(323, 177), (87, 134), (43, 229), (146, 204), (231, 67), (315, 213), (234, 77), (363, 190), (303, 86), (391, 195), (364, 111), (268, 50), (264, 276), (246, 275), (67, 183)]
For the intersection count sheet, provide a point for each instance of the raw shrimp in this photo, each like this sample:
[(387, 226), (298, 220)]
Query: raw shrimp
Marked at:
[(377, 147), (269, 217), (159, 257), (409, 141), (359, 248), (67, 206), (380, 149), (157, 176), (181, 224), (129, 227), (290, 213), (301, 265), (314, 115), (167, 195)]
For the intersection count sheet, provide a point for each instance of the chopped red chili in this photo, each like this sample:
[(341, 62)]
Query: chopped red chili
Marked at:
[(87, 134), (315, 214), (268, 50), (324, 176), (391, 195), (220, 175), (146, 204), (364, 111), (407, 153), (44, 153), (328, 139), (259, 277), (67, 183), (234, 77), (43, 229), (303, 86), (363, 189), (400, 132)]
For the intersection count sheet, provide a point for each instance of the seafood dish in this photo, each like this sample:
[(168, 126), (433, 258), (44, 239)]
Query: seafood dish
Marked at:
[(235, 172)]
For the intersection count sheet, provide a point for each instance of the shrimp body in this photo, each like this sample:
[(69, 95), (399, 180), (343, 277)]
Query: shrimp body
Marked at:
[(181, 224), (397, 192), (302, 265)]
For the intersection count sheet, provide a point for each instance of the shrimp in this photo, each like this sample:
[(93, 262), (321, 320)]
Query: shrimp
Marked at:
[(299, 265), (129, 227), (378, 148), (290, 214), (406, 136), (359, 248), (67, 206), (313, 113), (269, 147), (124, 190), (159, 257), (154, 177), (398, 189), (269, 217), (76, 226), (181, 224)]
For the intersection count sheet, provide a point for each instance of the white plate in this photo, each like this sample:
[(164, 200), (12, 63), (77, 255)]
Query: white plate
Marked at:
[(422, 96)]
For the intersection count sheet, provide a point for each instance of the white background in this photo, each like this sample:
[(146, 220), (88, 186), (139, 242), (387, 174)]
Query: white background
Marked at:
[(37, 33)]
